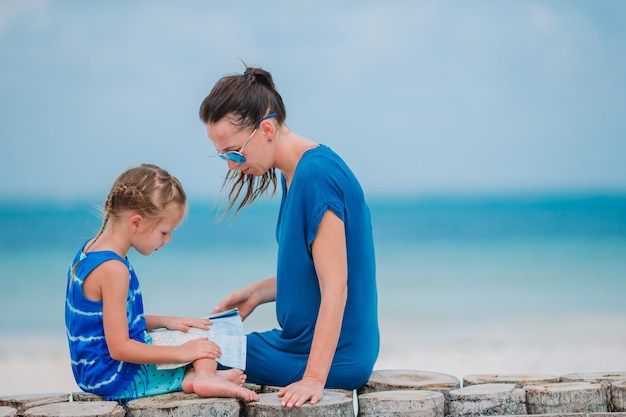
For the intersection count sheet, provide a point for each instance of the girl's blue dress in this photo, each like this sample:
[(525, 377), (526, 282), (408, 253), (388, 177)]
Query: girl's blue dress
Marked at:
[(94, 369)]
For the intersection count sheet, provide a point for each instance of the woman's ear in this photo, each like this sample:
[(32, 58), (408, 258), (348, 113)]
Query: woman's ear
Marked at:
[(134, 222), (268, 128)]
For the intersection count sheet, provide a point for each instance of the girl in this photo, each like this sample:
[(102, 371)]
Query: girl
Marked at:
[(325, 283), (106, 328)]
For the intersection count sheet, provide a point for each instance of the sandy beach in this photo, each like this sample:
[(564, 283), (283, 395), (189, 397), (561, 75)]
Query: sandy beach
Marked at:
[(550, 345)]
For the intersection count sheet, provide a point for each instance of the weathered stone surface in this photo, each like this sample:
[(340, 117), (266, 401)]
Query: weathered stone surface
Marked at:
[(254, 387), (617, 390), (566, 397), (572, 415), (7, 411), (332, 404), (77, 409), (180, 404), (23, 402), (265, 389), (86, 396), (401, 379), (400, 403), (503, 399), (604, 378), (609, 414), (518, 379), (398, 379)]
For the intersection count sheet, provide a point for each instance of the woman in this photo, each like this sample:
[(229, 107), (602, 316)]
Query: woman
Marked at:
[(325, 283)]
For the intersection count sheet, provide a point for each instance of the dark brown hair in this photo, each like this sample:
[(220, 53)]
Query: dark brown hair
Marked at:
[(245, 99)]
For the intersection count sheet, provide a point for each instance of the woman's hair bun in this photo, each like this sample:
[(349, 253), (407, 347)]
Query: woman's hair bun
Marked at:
[(260, 76)]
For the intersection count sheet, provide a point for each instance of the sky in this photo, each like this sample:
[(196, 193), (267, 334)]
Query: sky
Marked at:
[(419, 97)]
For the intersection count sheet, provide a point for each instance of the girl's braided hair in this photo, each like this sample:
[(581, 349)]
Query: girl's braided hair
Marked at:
[(147, 190)]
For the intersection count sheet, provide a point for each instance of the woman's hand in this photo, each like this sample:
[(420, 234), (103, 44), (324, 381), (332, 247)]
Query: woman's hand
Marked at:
[(240, 299), (298, 393), (248, 298)]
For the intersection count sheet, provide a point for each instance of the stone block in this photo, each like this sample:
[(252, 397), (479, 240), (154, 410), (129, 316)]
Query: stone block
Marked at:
[(265, 389), (399, 379), (486, 399), (604, 378), (86, 396), (77, 409), (518, 379), (566, 397), (7, 411), (617, 390), (401, 403), (180, 404), (331, 404), (26, 401)]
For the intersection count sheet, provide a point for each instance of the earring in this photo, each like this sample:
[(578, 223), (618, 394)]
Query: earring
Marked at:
[(269, 140)]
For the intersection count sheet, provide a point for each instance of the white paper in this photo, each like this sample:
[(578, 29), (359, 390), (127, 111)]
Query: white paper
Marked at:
[(226, 331)]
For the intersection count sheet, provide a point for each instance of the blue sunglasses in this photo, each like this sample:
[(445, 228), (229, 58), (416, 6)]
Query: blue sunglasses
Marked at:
[(237, 156)]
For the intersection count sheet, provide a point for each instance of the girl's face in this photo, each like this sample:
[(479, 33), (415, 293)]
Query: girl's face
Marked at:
[(151, 236)]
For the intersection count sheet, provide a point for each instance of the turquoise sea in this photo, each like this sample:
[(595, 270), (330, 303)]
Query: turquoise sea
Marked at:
[(439, 259), (467, 284)]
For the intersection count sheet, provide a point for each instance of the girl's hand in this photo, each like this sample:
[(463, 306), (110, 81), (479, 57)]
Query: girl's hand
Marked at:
[(199, 348), (176, 323), (184, 324)]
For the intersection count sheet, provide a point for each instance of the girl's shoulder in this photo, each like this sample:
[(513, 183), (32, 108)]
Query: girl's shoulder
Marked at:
[(101, 256), (87, 262)]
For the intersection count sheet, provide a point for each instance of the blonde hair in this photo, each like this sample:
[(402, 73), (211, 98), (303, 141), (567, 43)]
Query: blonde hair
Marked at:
[(147, 190)]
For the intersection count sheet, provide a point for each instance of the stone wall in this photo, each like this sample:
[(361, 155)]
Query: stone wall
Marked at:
[(388, 393)]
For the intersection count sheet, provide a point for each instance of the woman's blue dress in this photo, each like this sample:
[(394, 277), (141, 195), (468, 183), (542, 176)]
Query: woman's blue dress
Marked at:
[(322, 181)]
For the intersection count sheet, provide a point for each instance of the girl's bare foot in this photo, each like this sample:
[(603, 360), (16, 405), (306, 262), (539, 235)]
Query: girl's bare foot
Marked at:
[(235, 376), (190, 375), (215, 386)]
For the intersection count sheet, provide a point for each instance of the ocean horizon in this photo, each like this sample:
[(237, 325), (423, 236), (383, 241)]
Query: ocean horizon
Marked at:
[(425, 248)]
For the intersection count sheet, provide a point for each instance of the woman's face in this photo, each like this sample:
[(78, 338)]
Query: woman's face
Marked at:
[(240, 148)]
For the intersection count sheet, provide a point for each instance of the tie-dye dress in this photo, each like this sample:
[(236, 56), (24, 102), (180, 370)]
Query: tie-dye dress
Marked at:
[(94, 369)]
